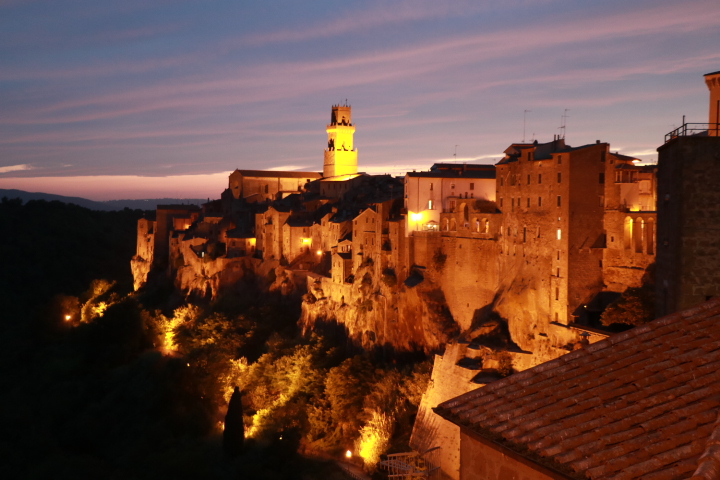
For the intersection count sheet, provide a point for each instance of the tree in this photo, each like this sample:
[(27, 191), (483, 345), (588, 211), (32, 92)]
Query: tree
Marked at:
[(234, 433), (636, 306)]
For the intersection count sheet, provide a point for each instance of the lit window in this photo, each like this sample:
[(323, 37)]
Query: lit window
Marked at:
[(559, 233)]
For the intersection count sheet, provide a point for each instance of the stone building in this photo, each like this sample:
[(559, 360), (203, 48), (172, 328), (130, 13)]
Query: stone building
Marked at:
[(266, 185), (169, 219), (688, 230), (445, 188)]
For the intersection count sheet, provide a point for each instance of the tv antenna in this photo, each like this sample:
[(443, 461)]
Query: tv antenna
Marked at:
[(525, 112), (455, 154), (563, 122)]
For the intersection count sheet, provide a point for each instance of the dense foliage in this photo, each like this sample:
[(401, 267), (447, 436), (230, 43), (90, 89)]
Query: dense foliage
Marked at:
[(636, 306), (113, 384)]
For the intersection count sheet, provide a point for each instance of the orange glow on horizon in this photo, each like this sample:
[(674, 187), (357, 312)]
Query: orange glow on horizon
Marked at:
[(124, 187)]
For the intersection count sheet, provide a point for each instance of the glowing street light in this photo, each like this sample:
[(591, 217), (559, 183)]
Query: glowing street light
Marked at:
[(348, 454), (319, 252), (68, 317)]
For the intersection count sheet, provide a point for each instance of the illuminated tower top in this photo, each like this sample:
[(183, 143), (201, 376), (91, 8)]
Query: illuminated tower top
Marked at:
[(712, 80), (340, 155)]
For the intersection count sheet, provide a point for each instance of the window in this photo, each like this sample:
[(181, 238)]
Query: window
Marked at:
[(559, 233), (502, 181), (528, 179), (559, 159), (266, 189), (528, 202), (452, 185), (559, 177), (539, 201), (431, 186), (559, 201), (430, 204), (531, 155), (602, 178), (501, 202), (539, 178), (557, 272), (472, 186), (557, 295)]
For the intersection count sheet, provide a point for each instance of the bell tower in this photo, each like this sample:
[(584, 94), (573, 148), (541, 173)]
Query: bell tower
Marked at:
[(340, 155)]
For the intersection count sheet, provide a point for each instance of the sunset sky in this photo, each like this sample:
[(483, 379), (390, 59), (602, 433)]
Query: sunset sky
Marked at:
[(146, 99)]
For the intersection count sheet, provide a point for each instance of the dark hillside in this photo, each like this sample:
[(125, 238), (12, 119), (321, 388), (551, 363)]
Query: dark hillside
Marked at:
[(50, 248)]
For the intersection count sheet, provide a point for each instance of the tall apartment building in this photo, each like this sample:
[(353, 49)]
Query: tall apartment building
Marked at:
[(552, 199)]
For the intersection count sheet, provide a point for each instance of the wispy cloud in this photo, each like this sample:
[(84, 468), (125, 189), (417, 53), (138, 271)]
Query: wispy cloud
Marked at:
[(15, 168)]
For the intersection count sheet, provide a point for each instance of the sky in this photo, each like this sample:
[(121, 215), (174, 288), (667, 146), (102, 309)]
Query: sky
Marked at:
[(160, 98)]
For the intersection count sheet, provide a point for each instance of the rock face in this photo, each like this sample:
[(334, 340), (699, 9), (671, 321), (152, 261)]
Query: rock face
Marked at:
[(376, 314), (140, 270)]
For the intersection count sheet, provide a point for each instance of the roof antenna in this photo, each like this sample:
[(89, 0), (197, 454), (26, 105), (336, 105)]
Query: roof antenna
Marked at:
[(525, 112), (455, 154), (563, 122)]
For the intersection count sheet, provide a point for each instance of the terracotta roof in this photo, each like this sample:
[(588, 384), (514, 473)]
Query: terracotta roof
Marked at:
[(640, 404), (278, 174)]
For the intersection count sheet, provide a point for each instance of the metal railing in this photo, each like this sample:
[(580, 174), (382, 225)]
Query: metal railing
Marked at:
[(413, 465), (689, 129)]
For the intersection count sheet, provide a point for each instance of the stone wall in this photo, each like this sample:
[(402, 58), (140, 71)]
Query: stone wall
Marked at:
[(688, 253)]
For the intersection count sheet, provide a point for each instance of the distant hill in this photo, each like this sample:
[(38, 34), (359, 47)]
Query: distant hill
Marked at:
[(110, 205)]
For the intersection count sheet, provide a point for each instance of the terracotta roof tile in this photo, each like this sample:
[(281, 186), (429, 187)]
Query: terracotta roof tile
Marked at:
[(640, 404)]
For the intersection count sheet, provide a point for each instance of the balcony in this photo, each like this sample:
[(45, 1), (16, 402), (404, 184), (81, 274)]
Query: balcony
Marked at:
[(691, 129)]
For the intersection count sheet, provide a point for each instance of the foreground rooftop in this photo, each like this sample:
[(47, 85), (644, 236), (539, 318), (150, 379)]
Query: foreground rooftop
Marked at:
[(640, 404)]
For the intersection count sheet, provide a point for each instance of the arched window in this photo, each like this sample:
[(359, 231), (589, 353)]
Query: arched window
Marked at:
[(638, 227), (464, 209), (476, 222), (453, 225), (445, 225), (486, 227), (628, 233), (650, 236)]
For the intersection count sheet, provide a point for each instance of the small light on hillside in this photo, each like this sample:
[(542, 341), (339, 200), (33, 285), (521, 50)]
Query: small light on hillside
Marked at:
[(68, 317), (348, 454)]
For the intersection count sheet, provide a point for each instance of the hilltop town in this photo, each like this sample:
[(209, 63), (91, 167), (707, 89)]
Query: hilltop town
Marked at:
[(502, 267)]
